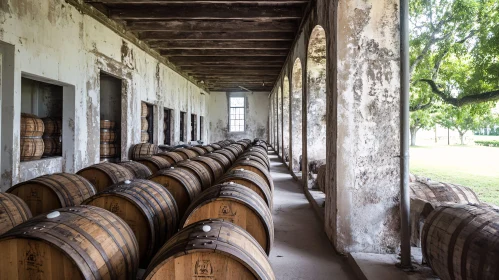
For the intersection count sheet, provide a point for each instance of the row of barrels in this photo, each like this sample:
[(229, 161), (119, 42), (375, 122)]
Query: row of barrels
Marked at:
[(150, 213), (458, 234), (40, 137)]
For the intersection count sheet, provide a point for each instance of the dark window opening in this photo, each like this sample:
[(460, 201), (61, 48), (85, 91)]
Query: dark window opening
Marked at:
[(182, 126), (168, 126), (150, 121), (194, 127), (201, 127), (110, 117)]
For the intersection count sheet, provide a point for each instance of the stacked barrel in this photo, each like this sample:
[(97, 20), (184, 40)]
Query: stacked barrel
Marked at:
[(128, 215), (52, 137), (32, 146), (144, 124), (108, 139)]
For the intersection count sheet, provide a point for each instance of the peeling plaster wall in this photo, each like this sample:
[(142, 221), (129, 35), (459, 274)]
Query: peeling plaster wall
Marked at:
[(55, 42), (256, 116), (296, 115), (285, 118)]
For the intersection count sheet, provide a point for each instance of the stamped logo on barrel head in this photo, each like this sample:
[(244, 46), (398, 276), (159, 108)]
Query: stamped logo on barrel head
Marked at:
[(225, 211), (114, 207), (33, 261), (203, 270)]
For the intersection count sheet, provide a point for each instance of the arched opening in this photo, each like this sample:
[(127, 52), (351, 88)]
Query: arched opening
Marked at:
[(285, 119), (296, 116), (279, 121), (316, 105)]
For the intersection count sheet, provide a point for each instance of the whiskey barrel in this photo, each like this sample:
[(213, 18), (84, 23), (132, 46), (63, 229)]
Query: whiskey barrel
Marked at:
[(108, 150), (462, 242), (233, 150), (13, 211), (147, 207), (144, 124), (240, 148), (53, 126), (236, 204), (228, 154), (264, 158), (144, 110), (105, 174), (49, 192), (215, 146), (432, 191), (186, 153), (199, 170), (253, 158), (52, 146), (243, 143), (144, 150), (251, 180), (260, 150), (200, 151), (223, 160), (210, 249), (107, 135), (31, 126), (81, 242), (138, 170), (211, 164), (207, 149), (31, 148), (144, 137), (256, 167), (182, 184), (172, 157), (107, 124), (154, 163)]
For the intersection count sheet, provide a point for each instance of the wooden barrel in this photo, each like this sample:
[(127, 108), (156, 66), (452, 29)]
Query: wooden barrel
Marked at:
[(139, 170), (144, 110), (81, 242), (223, 160), (108, 150), (144, 150), (442, 192), (239, 147), (207, 149), (233, 150), (264, 158), (228, 154), (253, 158), (462, 242), (199, 170), (236, 204), (49, 192), (144, 124), (244, 144), (107, 135), (52, 146), (182, 184), (251, 180), (13, 211), (172, 157), (154, 163), (256, 167), (107, 124), (210, 249), (31, 148), (147, 207), (200, 151), (31, 126), (53, 126), (105, 174), (216, 168), (215, 146), (144, 137), (186, 153)]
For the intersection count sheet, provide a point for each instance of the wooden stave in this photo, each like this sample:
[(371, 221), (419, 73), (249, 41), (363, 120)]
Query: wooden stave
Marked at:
[(144, 124), (266, 174), (52, 146), (31, 126), (108, 150), (199, 170), (234, 151), (139, 170), (223, 160), (217, 170), (253, 158), (108, 136), (172, 157), (244, 144), (215, 146), (144, 150), (259, 149), (52, 231), (13, 211), (144, 137), (154, 163), (456, 239), (433, 191), (107, 124), (52, 126), (200, 151), (228, 154), (252, 177), (207, 149), (217, 241), (144, 110), (186, 153), (238, 193), (31, 148), (264, 158), (71, 193), (105, 167), (167, 208)]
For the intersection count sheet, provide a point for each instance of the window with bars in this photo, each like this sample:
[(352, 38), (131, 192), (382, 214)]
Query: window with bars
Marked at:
[(236, 114)]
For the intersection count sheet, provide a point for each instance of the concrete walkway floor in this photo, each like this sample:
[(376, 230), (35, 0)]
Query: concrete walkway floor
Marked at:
[(301, 248)]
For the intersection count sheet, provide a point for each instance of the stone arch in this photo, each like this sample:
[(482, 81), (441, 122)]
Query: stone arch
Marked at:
[(296, 116), (316, 103), (285, 119)]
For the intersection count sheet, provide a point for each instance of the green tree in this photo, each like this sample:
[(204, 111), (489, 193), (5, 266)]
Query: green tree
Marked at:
[(420, 119), (464, 118)]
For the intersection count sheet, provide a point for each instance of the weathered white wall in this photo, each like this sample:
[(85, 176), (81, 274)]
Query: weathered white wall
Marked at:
[(54, 42), (257, 113)]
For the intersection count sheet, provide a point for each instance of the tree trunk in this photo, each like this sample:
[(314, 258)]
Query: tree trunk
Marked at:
[(413, 130), (461, 137)]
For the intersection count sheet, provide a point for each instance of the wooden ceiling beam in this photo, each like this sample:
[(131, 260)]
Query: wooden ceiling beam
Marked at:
[(275, 2), (241, 68), (241, 59), (204, 11), (214, 25), (221, 45), (232, 52), (151, 36)]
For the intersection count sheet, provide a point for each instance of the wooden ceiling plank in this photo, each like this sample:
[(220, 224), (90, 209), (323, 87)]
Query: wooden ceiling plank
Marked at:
[(222, 45), (231, 52), (151, 36), (217, 25)]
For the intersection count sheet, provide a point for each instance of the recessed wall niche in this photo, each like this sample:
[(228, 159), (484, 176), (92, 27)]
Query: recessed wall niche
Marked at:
[(110, 117), (41, 120)]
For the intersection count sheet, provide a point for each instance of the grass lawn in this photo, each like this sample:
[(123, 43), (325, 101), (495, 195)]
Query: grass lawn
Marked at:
[(471, 166)]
